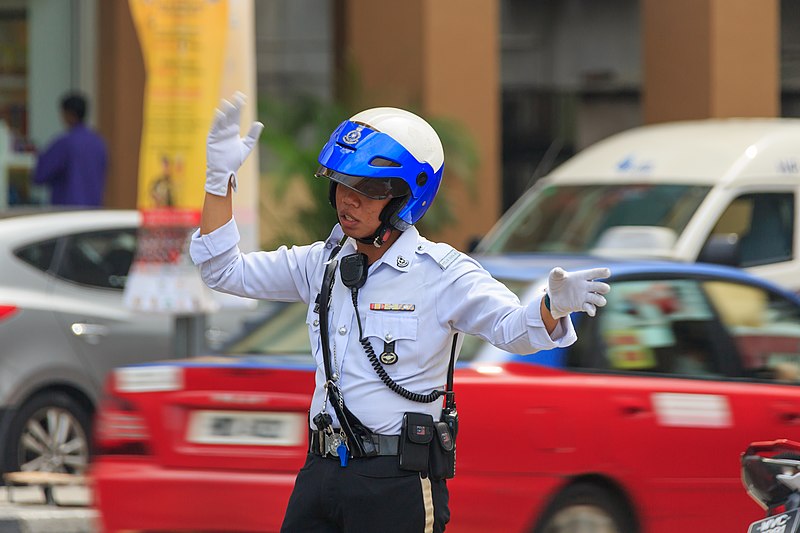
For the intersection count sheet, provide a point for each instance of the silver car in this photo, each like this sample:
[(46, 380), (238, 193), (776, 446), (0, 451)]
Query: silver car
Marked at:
[(63, 326)]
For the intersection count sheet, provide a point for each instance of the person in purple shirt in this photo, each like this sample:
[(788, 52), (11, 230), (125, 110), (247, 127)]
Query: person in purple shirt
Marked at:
[(74, 164)]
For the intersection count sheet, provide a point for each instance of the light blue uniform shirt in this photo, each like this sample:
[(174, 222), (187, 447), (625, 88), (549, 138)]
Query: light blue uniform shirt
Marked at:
[(442, 291)]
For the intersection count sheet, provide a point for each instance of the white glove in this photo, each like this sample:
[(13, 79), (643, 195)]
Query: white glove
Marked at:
[(571, 292), (225, 150)]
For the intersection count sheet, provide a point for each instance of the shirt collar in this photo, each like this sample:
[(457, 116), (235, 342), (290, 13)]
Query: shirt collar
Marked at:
[(335, 238), (401, 254)]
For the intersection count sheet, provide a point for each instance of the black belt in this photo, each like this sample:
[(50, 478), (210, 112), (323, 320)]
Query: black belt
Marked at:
[(385, 444)]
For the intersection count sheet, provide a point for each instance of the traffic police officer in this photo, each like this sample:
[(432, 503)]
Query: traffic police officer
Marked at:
[(405, 298)]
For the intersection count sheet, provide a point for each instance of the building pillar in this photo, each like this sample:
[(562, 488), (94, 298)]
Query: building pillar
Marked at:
[(121, 86), (710, 58), (442, 59)]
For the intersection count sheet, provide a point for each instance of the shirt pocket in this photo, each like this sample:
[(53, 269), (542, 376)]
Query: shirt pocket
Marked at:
[(381, 328)]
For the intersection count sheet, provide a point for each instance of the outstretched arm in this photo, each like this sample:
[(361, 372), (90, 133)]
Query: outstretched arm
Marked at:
[(225, 153)]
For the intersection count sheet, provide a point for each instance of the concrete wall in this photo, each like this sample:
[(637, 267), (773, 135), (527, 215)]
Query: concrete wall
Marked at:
[(710, 58), (441, 59)]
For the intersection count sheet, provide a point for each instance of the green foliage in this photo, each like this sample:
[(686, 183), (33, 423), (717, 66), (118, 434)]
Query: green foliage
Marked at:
[(295, 131)]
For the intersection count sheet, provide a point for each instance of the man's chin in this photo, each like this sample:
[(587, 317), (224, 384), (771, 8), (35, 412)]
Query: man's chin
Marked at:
[(357, 232), (357, 235)]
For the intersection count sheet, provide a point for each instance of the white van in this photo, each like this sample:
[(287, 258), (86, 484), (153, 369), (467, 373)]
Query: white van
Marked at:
[(718, 190)]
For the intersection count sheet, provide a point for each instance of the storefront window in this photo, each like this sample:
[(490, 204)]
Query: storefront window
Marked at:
[(15, 148)]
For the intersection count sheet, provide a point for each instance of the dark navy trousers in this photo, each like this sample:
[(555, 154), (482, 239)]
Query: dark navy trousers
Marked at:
[(370, 494)]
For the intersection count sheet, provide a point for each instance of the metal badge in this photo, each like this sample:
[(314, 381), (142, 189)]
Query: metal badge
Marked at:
[(402, 262), (388, 357)]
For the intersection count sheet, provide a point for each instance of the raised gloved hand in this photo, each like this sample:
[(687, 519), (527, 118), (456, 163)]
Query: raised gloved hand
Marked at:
[(225, 150), (571, 292)]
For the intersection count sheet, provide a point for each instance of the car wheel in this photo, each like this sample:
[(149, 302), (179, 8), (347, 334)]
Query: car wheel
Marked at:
[(49, 433), (586, 508)]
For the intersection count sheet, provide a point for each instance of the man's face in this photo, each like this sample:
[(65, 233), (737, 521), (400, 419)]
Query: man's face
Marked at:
[(358, 214)]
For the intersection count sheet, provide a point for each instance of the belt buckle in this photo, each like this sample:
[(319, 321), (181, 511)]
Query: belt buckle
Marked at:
[(330, 442)]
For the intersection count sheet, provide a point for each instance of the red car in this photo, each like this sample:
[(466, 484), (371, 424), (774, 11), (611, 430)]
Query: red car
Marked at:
[(638, 427)]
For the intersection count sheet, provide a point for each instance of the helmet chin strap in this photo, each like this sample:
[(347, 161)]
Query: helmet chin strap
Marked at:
[(378, 238)]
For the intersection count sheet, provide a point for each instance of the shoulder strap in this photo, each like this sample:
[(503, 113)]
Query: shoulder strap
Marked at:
[(324, 301), (357, 435), (450, 400)]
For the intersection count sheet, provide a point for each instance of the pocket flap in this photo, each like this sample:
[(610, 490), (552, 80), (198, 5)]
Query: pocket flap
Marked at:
[(390, 327), (419, 428), (444, 436)]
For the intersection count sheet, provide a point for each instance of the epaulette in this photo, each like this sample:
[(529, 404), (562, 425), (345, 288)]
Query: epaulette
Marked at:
[(442, 253)]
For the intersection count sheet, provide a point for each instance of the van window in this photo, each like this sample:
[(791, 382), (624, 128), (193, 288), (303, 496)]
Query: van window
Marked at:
[(571, 219), (764, 224)]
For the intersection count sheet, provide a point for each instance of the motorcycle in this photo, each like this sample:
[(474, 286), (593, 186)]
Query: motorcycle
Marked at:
[(771, 475)]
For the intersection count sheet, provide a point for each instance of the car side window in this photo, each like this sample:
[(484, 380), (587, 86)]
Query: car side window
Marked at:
[(98, 259), (660, 326), (765, 328), (38, 255), (764, 224)]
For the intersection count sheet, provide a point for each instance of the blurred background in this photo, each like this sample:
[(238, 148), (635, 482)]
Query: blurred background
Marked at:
[(516, 86)]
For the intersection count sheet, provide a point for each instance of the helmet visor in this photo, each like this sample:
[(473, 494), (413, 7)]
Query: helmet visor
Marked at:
[(375, 188)]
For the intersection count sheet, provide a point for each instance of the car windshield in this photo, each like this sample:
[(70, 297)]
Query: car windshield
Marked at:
[(572, 218), (285, 333)]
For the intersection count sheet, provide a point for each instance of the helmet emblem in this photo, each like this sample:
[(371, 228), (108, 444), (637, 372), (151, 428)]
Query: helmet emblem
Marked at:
[(353, 136)]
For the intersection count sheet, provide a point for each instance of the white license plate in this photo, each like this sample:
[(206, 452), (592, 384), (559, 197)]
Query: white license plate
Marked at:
[(239, 427)]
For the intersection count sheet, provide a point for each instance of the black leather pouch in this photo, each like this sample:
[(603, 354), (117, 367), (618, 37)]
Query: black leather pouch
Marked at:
[(443, 453), (415, 442)]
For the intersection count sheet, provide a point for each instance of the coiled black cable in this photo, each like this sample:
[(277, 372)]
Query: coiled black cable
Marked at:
[(378, 367)]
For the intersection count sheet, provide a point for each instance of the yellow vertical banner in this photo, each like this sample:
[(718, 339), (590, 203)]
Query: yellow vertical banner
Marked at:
[(183, 44), (195, 52)]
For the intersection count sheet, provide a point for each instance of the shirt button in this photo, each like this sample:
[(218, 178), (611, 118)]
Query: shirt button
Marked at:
[(328, 245), (419, 247), (316, 323), (388, 337), (343, 330)]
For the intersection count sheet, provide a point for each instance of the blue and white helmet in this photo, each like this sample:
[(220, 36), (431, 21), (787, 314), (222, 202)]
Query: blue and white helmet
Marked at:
[(384, 152)]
